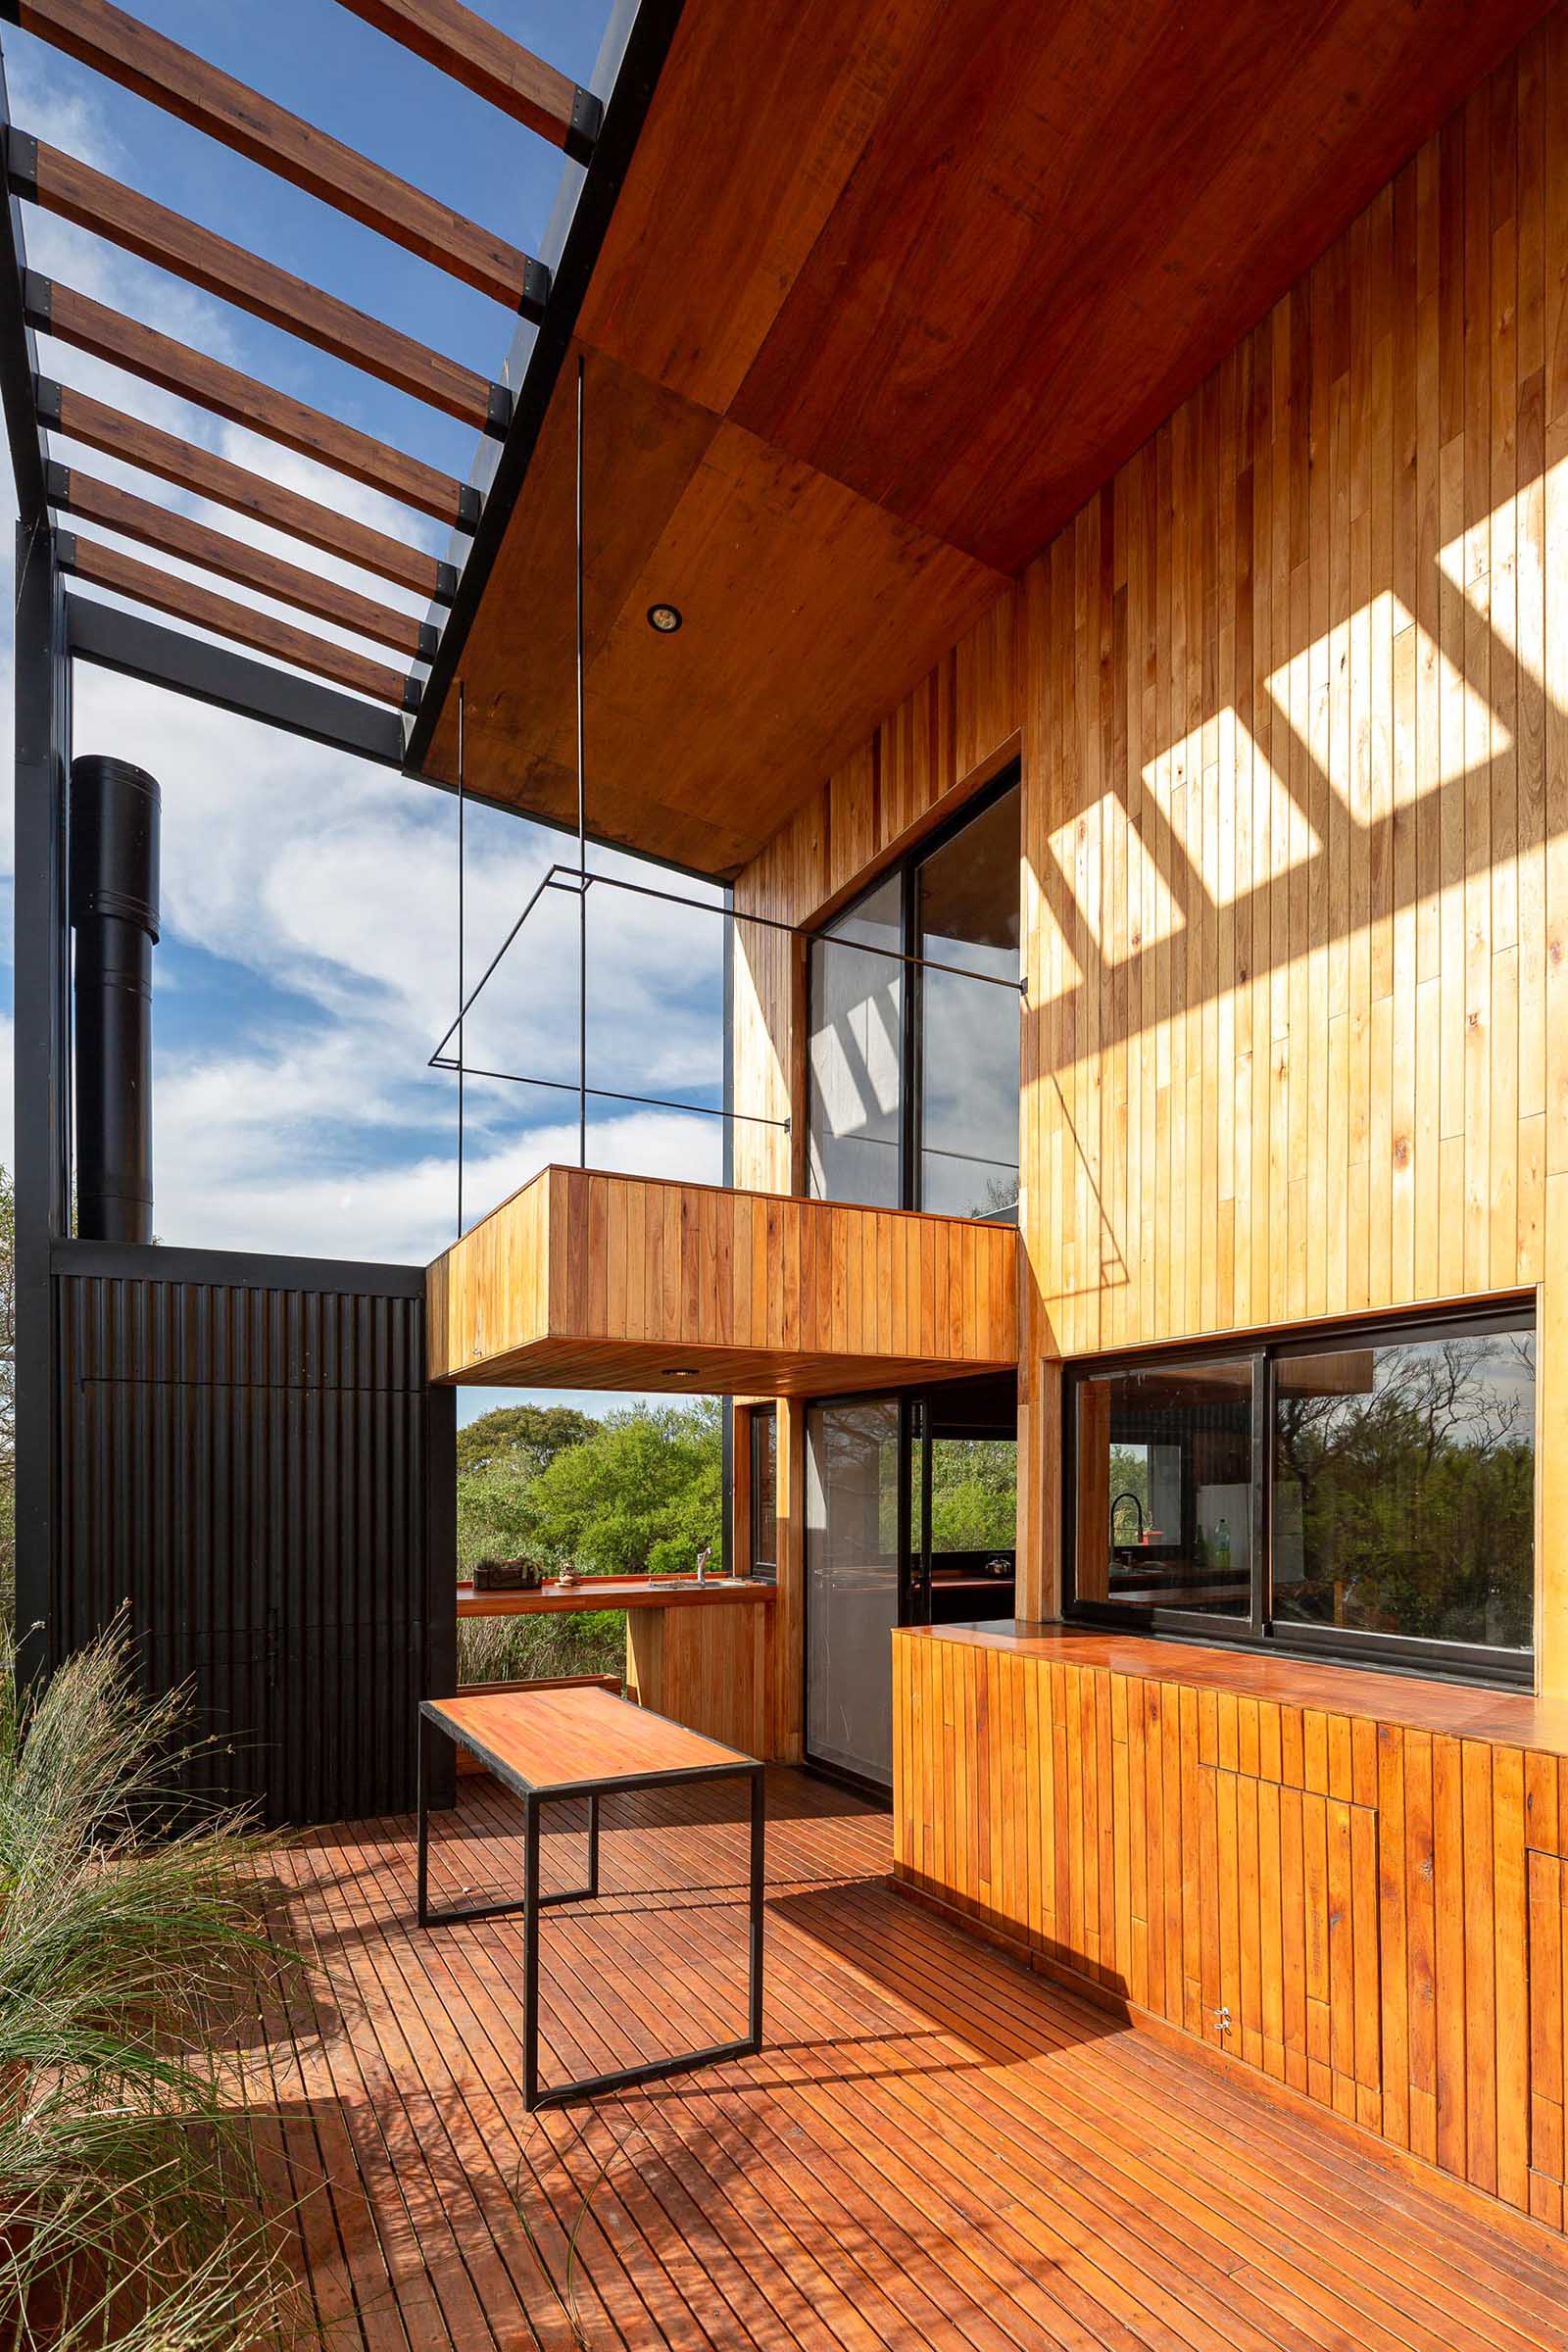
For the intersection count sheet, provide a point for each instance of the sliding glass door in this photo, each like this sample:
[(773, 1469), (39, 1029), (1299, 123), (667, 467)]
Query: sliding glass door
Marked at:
[(855, 1550), (911, 1515)]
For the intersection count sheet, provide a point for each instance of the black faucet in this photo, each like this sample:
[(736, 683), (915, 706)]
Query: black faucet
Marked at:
[(1127, 1495)]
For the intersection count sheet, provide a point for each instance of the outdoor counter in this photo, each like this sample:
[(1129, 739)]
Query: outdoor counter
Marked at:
[(697, 1653), (615, 1593), (1353, 1884)]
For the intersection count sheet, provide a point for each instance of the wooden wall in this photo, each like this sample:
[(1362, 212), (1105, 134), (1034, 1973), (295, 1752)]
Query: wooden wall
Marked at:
[(1364, 1908), (709, 1669), (605, 1277), (1292, 700)]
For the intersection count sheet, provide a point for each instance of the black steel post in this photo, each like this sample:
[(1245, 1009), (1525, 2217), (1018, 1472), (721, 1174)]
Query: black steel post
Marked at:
[(43, 1173), (531, 1954)]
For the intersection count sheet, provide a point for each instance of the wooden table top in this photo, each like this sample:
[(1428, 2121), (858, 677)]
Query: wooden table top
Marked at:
[(612, 1592), (1463, 1710), (544, 1739)]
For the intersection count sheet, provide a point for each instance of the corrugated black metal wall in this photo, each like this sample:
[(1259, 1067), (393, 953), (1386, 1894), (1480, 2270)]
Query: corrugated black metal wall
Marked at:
[(250, 1459)]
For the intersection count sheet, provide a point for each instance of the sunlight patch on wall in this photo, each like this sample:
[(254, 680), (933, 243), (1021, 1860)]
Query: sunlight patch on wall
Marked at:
[(1231, 840), (1337, 695), (1121, 896)]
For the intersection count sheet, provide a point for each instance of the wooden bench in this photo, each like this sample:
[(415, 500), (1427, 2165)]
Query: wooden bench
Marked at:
[(547, 1745)]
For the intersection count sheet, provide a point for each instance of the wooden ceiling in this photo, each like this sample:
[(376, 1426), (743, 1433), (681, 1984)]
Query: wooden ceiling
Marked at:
[(891, 287)]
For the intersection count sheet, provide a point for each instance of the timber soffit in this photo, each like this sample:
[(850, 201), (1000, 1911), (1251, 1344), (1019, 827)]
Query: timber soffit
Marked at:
[(367, 706)]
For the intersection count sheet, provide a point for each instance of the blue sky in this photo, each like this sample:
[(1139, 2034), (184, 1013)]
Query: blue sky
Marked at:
[(309, 958)]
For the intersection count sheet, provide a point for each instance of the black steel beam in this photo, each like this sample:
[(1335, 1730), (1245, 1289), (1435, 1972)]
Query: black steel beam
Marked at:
[(238, 1269), (647, 46), (137, 648)]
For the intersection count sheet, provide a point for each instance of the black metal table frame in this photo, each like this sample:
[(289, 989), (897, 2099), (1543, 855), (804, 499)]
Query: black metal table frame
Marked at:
[(534, 1800)]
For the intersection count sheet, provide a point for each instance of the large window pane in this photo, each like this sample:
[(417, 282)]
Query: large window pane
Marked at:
[(1164, 1490), (968, 915), (852, 1596), (855, 1050), (1405, 1489)]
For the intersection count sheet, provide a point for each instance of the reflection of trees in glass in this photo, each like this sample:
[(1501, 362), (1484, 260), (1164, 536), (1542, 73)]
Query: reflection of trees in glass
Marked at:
[(1129, 1475), (974, 1494), (1417, 1499)]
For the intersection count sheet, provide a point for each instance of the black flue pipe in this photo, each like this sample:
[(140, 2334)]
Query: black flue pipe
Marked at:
[(115, 811)]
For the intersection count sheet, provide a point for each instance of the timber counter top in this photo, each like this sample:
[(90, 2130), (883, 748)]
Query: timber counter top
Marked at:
[(616, 1592), (1459, 1710)]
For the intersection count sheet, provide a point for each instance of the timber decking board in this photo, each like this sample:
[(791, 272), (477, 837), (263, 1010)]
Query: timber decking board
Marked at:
[(933, 2149), (1352, 1883)]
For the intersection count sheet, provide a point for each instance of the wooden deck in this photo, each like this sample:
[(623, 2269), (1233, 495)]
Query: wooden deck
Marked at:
[(935, 2150)]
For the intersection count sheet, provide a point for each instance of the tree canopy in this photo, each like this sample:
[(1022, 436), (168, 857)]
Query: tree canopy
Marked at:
[(643, 1477), (536, 1433)]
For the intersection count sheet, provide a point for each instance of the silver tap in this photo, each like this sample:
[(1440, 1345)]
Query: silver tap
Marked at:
[(702, 1559)]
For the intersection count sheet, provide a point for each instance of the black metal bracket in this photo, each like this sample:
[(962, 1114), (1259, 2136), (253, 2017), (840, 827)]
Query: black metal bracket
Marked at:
[(587, 122), (498, 408), (531, 302)]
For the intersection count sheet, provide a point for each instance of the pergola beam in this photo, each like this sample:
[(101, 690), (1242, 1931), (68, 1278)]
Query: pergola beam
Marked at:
[(471, 50), (87, 326), (189, 542), (166, 592), (75, 192), (127, 52), (79, 417)]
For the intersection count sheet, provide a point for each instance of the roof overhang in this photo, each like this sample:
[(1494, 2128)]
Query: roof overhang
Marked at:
[(888, 292)]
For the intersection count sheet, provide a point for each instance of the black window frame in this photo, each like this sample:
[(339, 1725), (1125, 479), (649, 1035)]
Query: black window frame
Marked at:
[(763, 1416), (1400, 1654), (905, 866)]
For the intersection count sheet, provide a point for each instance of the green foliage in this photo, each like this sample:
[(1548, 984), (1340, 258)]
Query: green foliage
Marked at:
[(130, 2190), (531, 1433), (974, 1494), (642, 1475), (673, 1555)]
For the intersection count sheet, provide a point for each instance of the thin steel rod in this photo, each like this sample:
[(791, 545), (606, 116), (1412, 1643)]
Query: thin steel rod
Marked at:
[(601, 1094), (489, 970), (582, 831), (463, 845)]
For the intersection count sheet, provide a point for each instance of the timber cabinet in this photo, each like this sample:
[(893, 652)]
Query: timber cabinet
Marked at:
[(1352, 1883)]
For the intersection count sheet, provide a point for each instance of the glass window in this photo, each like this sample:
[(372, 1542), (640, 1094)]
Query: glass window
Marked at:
[(765, 1492), (851, 1585), (856, 1053), (1403, 1496), (1397, 1470), (1165, 1489), (968, 915)]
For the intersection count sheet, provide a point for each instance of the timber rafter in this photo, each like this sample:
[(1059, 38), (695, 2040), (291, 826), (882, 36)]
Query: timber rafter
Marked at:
[(461, 45)]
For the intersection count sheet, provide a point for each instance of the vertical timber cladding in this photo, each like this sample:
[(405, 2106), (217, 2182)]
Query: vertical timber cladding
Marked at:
[(252, 1462), (1294, 701), (1296, 851)]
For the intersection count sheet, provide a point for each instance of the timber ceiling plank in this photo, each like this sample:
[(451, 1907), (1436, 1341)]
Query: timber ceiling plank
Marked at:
[(1055, 233), (761, 117)]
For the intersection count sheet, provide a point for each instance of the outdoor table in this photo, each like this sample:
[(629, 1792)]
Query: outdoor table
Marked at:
[(548, 1745)]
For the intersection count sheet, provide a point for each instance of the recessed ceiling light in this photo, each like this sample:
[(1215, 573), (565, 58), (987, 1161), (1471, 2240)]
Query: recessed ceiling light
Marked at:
[(680, 1372), (665, 618)]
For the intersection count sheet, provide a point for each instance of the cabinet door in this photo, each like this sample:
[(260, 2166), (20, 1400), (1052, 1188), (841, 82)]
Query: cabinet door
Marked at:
[(1288, 1940), (1546, 1890)]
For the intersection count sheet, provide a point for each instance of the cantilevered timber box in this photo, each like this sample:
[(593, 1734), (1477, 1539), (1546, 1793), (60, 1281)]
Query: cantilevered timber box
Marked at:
[(584, 1280)]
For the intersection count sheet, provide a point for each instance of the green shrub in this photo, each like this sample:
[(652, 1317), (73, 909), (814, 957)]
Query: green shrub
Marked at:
[(673, 1555), (130, 2199)]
